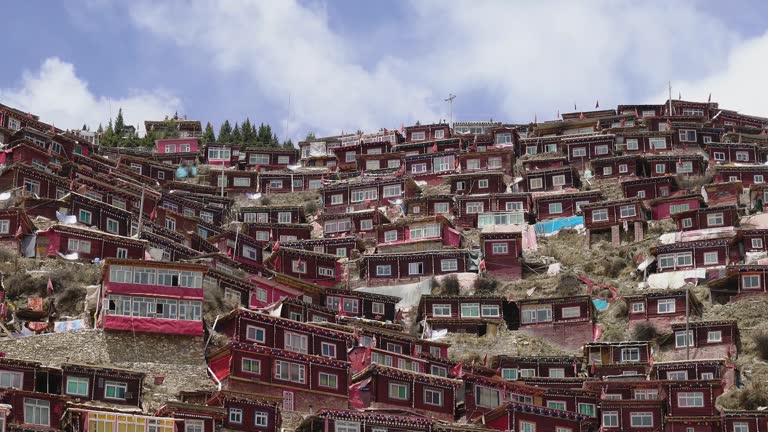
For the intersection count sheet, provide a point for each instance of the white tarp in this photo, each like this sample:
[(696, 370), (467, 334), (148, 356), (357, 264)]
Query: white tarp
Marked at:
[(66, 219), (317, 149), (674, 280), (410, 294)]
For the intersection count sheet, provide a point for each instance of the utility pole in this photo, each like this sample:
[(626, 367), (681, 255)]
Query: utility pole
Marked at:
[(141, 212), (223, 179), (670, 98), (450, 99), (687, 324)]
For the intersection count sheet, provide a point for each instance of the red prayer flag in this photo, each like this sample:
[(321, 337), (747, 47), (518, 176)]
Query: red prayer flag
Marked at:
[(581, 116), (485, 360), (623, 122), (434, 148), (354, 396), (637, 114), (276, 246), (49, 288), (153, 214), (592, 368), (19, 231), (482, 264), (597, 125), (709, 99), (763, 132), (456, 371), (597, 104)]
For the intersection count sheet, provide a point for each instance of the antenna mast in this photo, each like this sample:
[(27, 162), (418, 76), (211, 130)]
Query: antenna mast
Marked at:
[(450, 99)]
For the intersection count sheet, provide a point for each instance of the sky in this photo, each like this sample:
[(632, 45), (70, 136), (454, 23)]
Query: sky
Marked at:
[(342, 65)]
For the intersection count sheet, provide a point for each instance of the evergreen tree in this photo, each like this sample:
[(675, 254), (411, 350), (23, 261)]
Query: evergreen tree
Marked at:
[(246, 132), (85, 127), (100, 129), (274, 142), (288, 144), (148, 140), (225, 132), (208, 135), (310, 136), (237, 137), (109, 139), (264, 136), (119, 123)]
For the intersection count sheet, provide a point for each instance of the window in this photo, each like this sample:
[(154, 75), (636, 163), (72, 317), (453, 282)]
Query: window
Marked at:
[(76, 245), (251, 366), (742, 156), (707, 375), (77, 386), (372, 165), (441, 208), (571, 312), (328, 349), (392, 191), (740, 427), (757, 243), (37, 412), (113, 226), (475, 207), (531, 150), (630, 355), (586, 409), (607, 171), (684, 167), (601, 150), (509, 374), (170, 224), (680, 339), (666, 306), (235, 415), (482, 184), (750, 281), (687, 223), (416, 268), (398, 391), (534, 314), (189, 426), (642, 419), (600, 215), (640, 194), (710, 258), (660, 168), (299, 266), (657, 143), (449, 265), (646, 394), (255, 334), (555, 208), (275, 184), (494, 163), (296, 342), (536, 183), (261, 419), (418, 136), (486, 397), (84, 216), (503, 138), (527, 426), (677, 375), (377, 308), (513, 206), (390, 236), (610, 419), (290, 371), (557, 373), (383, 270), (347, 426), (632, 144), (14, 123), (444, 163), (490, 310), (758, 178), (419, 168), (638, 307), (361, 195), (719, 156), (558, 180), (11, 379), (262, 235), (470, 310), (350, 156), (579, 152), (687, 135), (715, 219), (558, 405), (32, 186), (366, 224), (433, 397), (441, 310), (714, 336), (329, 380)]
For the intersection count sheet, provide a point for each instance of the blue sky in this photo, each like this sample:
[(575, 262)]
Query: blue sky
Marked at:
[(351, 65)]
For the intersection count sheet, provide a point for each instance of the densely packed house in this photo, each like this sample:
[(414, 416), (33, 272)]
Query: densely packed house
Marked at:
[(327, 319)]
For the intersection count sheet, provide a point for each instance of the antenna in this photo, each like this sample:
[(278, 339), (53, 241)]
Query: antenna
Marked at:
[(670, 98), (287, 118), (450, 99)]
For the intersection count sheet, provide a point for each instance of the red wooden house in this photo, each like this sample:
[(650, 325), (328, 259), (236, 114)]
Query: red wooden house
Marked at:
[(538, 145), (639, 142), (428, 132), (99, 214), (362, 357), (629, 213), (563, 321), (301, 311), (340, 246), (417, 233), (493, 159), (661, 165), (360, 304), (615, 167), (691, 405), (278, 231), (240, 247), (631, 405), (582, 149), (515, 367), (320, 268), (707, 217), (89, 417), (516, 416), (247, 411), (533, 163), (360, 195), (431, 167), (488, 182), (562, 205), (478, 211), (746, 174), (483, 394), (694, 370), (502, 248), (102, 384), (282, 214), (383, 387), (429, 205), (177, 145), (697, 254), (266, 158), (580, 401), (160, 172), (193, 417), (62, 239), (461, 314), (706, 340), (396, 341), (649, 188), (15, 225), (661, 308), (551, 179), (723, 153), (31, 410), (226, 154), (727, 193), (380, 163), (745, 421), (294, 181), (414, 265), (665, 207), (151, 296), (617, 358), (192, 207), (741, 281), (32, 181), (361, 223), (27, 153)]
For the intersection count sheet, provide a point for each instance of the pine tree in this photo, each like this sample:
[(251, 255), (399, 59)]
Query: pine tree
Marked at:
[(100, 129), (225, 133), (288, 144), (310, 136), (274, 142), (246, 132), (119, 123), (237, 137), (208, 135), (264, 136), (108, 140), (85, 127)]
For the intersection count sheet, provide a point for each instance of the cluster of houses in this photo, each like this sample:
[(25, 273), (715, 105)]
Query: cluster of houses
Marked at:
[(310, 331)]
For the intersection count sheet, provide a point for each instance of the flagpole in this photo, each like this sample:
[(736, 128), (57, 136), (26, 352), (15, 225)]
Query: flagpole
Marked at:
[(670, 97), (450, 99), (687, 325), (141, 212)]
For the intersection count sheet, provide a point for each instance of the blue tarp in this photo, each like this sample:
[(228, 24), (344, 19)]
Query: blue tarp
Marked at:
[(600, 304), (555, 225), (181, 172)]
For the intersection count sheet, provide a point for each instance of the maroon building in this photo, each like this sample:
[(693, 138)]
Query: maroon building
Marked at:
[(615, 167), (413, 265), (661, 308), (631, 214), (697, 254), (516, 416), (708, 217), (617, 358), (502, 248), (649, 188), (562, 205), (461, 314), (488, 182), (563, 321), (551, 179), (706, 340), (746, 174)]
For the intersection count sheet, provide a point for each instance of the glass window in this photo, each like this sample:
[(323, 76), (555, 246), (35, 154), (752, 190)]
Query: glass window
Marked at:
[(398, 391), (77, 386), (115, 390)]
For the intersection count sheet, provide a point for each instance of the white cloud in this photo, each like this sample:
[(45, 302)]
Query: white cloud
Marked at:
[(525, 58), (59, 96)]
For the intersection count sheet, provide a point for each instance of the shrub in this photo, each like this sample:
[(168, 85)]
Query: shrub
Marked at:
[(310, 207), (450, 285), (645, 332), (754, 396), (485, 285), (265, 200), (568, 285), (761, 344), (71, 300)]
